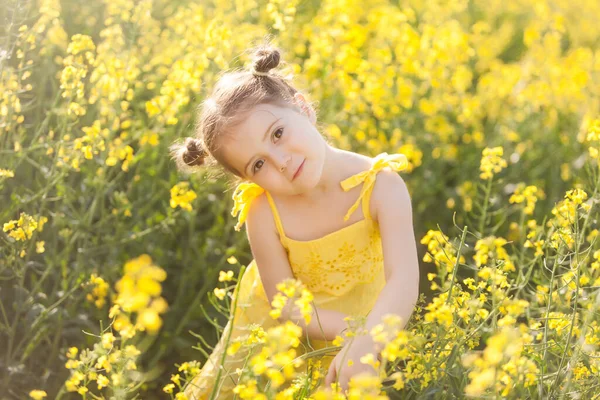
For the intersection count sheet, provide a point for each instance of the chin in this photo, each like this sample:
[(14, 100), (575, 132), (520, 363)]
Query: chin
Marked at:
[(309, 178)]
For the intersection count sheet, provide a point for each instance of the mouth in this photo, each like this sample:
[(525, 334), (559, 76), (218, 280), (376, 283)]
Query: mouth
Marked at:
[(299, 170)]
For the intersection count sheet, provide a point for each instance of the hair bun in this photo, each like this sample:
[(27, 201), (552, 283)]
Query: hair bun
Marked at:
[(266, 58), (193, 153)]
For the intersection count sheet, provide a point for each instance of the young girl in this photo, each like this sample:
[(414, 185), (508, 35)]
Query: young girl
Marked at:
[(339, 222)]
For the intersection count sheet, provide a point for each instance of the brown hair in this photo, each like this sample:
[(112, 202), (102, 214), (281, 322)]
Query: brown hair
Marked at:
[(233, 96)]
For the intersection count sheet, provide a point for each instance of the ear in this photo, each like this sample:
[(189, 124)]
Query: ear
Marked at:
[(306, 108)]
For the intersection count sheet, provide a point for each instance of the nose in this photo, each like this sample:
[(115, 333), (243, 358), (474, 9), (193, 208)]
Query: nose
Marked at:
[(282, 161)]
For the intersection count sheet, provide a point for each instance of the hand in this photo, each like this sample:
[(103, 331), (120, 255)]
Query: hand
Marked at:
[(340, 371)]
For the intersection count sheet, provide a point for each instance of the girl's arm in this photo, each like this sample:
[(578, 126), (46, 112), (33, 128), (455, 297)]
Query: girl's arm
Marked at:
[(274, 267), (393, 211)]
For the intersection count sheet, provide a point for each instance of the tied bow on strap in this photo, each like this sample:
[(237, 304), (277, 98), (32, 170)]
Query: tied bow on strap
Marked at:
[(397, 162), (242, 197)]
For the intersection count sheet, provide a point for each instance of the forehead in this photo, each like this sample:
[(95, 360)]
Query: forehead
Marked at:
[(245, 138), (257, 117)]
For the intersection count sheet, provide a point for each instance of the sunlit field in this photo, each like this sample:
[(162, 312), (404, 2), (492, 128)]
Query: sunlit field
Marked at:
[(118, 273)]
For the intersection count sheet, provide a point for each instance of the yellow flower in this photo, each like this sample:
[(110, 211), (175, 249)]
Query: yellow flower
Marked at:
[(182, 196), (6, 173), (168, 388), (480, 382), (232, 260), (220, 293), (72, 364), (102, 381), (369, 359), (150, 320), (338, 341), (72, 353), (39, 247), (108, 340), (116, 379), (233, 348), (150, 138), (492, 162), (37, 394), (22, 228), (225, 276)]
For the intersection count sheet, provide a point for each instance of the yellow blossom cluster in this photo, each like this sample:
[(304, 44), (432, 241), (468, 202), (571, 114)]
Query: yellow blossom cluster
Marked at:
[(281, 13), (360, 387), (394, 340), (99, 291), (566, 214), (93, 141), (118, 150), (467, 191), (46, 33), (526, 194), (105, 365), (138, 291), (81, 51), (182, 196), (224, 276), (440, 312), (38, 394), (495, 281), (494, 247), (276, 361), (501, 365), (10, 104), (533, 240), (256, 336), (593, 137), (189, 369), (23, 228), (439, 251), (492, 162), (292, 292), (6, 173)]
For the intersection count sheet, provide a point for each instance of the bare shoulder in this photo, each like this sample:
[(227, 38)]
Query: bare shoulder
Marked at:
[(260, 216), (389, 192)]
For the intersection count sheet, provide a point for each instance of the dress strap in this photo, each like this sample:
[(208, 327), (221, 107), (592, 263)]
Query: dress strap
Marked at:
[(397, 162), (242, 198), (276, 217)]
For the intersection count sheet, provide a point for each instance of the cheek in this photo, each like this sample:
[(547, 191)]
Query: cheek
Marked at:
[(306, 138)]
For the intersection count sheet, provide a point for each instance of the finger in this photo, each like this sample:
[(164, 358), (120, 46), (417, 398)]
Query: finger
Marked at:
[(330, 378), (343, 382)]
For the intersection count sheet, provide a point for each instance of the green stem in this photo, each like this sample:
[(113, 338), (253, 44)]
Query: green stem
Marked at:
[(550, 290), (214, 392), (455, 269)]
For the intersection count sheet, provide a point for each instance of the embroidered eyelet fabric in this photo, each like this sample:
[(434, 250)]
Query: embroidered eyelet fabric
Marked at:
[(343, 270)]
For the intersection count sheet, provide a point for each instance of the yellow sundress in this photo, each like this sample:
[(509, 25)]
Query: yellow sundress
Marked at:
[(343, 270)]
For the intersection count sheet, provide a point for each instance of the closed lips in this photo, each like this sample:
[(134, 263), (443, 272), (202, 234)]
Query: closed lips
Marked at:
[(298, 170)]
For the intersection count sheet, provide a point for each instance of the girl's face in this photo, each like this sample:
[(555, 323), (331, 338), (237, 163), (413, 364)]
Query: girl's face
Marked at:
[(278, 148)]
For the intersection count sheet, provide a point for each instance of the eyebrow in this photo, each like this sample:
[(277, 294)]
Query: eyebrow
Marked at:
[(263, 139)]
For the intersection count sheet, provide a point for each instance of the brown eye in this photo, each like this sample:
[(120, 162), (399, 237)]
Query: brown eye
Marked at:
[(258, 165), (278, 136)]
